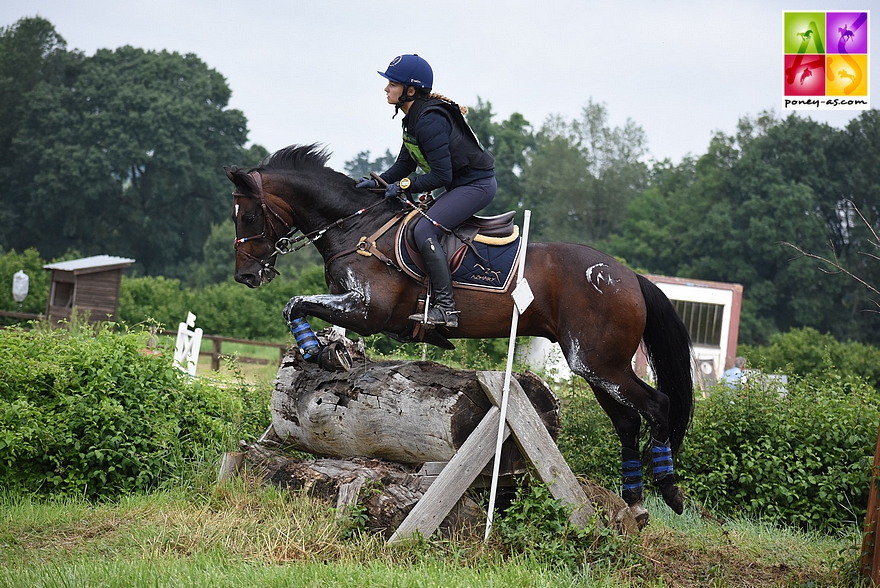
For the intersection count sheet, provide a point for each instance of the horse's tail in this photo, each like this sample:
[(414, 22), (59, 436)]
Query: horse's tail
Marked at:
[(668, 348)]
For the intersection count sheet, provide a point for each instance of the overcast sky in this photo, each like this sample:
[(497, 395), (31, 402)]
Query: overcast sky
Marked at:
[(304, 71)]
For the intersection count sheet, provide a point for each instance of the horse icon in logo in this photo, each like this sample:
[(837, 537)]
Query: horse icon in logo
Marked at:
[(846, 34), (807, 73)]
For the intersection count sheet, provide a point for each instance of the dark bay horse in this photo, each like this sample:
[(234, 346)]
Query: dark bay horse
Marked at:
[(596, 308)]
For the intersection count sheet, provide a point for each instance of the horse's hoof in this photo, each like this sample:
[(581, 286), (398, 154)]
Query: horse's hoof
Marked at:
[(334, 357), (642, 520), (674, 498), (637, 512)]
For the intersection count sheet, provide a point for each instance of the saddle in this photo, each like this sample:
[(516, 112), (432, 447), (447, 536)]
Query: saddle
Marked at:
[(483, 253), (489, 230)]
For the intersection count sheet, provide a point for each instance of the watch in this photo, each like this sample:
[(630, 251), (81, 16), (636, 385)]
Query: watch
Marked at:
[(405, 183)]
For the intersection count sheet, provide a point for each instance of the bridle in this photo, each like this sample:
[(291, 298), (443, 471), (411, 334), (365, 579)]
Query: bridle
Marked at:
[(268, 232), (287, 243)]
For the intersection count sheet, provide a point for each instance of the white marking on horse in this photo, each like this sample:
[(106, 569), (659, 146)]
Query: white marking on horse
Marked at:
[(577, 365), (597, 277), (235, 211)]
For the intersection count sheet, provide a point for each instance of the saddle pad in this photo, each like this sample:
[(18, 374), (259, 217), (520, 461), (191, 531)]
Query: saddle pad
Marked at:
[(492, 269)]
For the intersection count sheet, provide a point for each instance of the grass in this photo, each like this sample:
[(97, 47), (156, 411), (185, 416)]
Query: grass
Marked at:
[(247, 534)]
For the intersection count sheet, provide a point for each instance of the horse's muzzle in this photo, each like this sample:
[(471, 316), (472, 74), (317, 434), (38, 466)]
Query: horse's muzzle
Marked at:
[(250, 280)]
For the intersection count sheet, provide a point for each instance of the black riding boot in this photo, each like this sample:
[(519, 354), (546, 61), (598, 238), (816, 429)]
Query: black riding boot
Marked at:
[(442, 311)]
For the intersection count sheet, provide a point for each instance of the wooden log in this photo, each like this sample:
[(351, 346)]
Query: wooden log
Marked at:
[(388, 491), (440, 498), (408, 412), (229, 465), (533, 440)]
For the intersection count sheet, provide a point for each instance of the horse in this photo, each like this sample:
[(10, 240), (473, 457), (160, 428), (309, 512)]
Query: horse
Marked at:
[(596, 308)]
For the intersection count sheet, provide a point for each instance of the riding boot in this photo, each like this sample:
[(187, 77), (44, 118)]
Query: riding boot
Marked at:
[(442, 311)]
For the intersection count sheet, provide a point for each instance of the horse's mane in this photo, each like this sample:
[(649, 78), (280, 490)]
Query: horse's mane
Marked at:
[(297, 157)]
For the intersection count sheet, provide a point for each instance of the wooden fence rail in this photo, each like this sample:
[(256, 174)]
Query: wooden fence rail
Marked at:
[(216, 352)]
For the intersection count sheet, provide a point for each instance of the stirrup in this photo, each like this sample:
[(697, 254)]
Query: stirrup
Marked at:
[(437, 317)]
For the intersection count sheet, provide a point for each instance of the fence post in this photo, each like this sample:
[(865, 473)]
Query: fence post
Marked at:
[(870, 561), (215, 354)]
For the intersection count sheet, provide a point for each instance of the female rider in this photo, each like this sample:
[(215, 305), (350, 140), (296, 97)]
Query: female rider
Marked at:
[(438, 140)]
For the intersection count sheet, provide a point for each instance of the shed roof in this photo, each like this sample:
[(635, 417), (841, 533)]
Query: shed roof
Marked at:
[(90, 264)]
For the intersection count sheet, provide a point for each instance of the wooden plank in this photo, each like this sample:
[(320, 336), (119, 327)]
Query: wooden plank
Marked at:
[(870, 554), (538, 446), (453, 481)]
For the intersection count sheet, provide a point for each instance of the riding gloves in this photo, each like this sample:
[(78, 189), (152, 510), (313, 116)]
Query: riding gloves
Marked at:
[(395, 191), (368, 183)]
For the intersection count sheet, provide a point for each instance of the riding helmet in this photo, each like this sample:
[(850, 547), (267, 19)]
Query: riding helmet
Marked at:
[(410, 70)]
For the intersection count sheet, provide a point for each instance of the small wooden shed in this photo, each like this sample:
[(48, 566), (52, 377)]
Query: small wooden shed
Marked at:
[(90, 284)]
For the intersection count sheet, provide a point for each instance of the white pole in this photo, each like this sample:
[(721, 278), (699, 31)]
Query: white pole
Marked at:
[(518, 307)]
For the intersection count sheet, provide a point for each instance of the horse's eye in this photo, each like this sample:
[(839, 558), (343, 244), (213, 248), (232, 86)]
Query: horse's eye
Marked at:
[(249, 218)]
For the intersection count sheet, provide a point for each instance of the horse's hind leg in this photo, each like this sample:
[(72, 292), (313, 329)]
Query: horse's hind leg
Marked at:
[(625, 397), (626, 422)]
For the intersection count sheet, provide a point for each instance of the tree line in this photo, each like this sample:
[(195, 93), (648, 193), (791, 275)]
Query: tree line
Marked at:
[(122, 152)]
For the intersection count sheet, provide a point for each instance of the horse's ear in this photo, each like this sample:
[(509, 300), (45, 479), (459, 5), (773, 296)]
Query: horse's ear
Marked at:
[(242, 180)]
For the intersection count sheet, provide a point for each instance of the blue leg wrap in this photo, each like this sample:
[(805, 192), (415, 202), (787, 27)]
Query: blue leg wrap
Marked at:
[(305, 337), (632, 475), (661, 455)]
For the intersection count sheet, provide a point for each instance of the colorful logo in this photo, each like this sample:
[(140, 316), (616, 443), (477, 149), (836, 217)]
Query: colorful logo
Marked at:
[(825, 60)]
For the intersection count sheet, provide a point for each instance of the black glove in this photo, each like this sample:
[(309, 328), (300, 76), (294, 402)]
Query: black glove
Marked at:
[(366, 182), (394, 191), (399, 189)]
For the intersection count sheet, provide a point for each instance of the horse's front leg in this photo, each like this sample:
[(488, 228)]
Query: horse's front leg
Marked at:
[(348, 310)]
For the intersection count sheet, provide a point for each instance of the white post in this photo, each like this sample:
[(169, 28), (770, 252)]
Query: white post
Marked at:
[(186, 350), (522, 297)]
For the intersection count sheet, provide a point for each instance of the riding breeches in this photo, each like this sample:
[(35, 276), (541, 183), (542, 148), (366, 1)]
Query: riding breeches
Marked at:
[(454, 207)]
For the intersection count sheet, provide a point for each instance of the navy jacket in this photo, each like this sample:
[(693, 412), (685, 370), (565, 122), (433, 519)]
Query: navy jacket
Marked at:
[(437, 139)]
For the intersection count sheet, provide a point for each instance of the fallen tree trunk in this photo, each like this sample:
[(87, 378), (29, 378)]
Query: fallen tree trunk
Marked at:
[(408, 412), (388, 491)]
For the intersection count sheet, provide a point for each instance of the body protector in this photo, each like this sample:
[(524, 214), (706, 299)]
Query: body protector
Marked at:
[(465, 148)]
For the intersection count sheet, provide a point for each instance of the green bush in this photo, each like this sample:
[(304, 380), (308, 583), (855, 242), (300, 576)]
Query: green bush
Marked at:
[(586, 437), (537, 526), (229, 308), (800, 457), (807, 352), (92, 413), (153, 298)]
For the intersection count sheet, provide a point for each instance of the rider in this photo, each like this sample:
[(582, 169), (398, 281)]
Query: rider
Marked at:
[(438, 140)]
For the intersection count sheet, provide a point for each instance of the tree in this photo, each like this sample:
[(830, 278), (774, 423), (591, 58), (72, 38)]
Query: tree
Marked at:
[(362, 165), (726, 217), (581, 175), (121, 154), (509, 142)]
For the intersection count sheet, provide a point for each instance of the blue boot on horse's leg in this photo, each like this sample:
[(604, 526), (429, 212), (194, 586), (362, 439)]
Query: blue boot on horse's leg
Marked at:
[(632, 485), (442, 311), (632, 476), (663, 474), (306, 340)]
